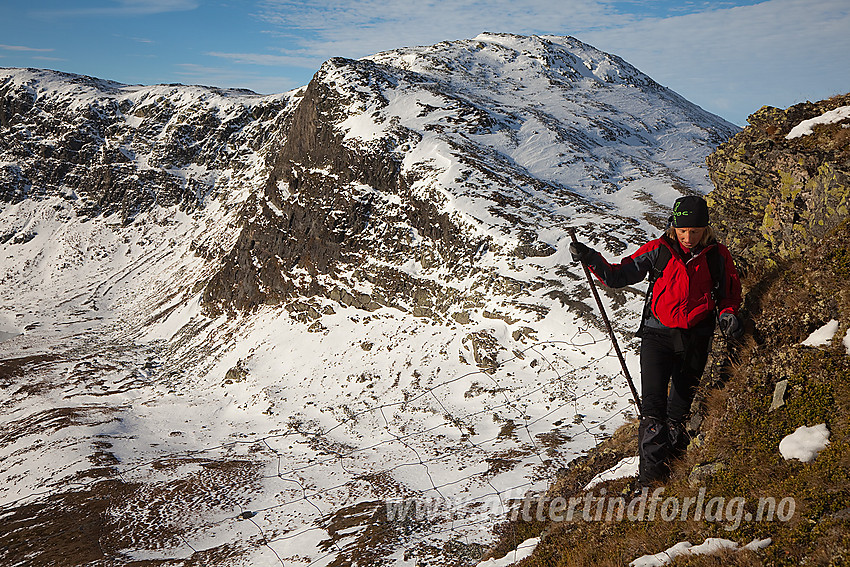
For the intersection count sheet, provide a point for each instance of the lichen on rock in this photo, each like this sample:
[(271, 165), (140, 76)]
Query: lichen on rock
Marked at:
[(776, 197)]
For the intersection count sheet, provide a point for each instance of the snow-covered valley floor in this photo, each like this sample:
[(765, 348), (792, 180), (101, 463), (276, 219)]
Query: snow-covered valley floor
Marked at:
[(137, 428)]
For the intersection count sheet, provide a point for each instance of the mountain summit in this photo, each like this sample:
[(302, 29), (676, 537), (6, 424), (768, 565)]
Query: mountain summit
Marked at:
[(458, 158), (223, 311)]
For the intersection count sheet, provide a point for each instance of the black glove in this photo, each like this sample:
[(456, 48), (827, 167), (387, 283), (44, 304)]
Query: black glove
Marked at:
[(581, 252), (731, 326)]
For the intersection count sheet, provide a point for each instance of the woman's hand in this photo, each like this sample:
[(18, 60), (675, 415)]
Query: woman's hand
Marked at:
[(731, 326), (581, 252)]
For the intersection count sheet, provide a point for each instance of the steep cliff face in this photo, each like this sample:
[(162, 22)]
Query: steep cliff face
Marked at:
[(428, 178), (330, 206), (777, 196)]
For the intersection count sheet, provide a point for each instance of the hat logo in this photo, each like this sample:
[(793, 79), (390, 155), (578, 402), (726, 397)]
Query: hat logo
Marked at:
[(690, 211)]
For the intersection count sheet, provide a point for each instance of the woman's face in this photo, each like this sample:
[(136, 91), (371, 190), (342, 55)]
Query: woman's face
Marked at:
[(690, 237)]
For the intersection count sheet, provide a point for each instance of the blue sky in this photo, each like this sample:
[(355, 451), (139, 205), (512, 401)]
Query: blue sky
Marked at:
[(729, 57)]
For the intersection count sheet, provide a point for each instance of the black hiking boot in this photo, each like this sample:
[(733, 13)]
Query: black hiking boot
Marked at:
[(655, 451), (679, 437)]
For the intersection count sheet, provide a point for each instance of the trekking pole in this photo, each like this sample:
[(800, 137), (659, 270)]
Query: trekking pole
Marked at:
[(635, 397)]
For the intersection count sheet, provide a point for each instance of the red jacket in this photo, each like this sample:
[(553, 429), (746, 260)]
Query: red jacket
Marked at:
[(681, 297)]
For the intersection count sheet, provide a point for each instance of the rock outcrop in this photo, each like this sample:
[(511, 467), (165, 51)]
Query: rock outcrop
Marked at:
[(776, 196)]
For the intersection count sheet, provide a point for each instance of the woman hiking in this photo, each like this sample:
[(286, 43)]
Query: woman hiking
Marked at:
[(693, 284)]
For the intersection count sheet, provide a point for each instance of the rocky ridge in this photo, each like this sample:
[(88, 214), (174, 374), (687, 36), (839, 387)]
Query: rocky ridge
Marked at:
[(122, 149), (431, 174)]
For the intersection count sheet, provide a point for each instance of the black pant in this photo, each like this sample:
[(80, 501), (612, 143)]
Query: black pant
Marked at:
[(673, 359), (676, 359)]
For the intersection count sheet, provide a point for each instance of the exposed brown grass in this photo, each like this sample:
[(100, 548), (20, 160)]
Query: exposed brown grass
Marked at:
[(93, 526)]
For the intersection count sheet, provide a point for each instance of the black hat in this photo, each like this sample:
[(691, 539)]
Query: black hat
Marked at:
[(690, 211)]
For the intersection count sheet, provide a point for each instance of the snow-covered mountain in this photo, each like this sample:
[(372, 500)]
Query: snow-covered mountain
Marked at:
[(236, 326)]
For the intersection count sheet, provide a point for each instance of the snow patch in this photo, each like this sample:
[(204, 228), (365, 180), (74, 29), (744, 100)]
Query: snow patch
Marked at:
[(8, 329), (525, 549), (822, 336), (805, 443), (625, 468), (806, 127), (709, 546)]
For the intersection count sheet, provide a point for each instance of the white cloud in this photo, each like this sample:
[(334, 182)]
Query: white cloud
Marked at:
[(124, 8), (355, 28), (337, 15), (735, 60), (25, 48), (296, 59), (323, 29)]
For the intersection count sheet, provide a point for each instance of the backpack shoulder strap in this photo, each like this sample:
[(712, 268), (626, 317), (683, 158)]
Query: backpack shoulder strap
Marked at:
[(716, 268), (664, 255)]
